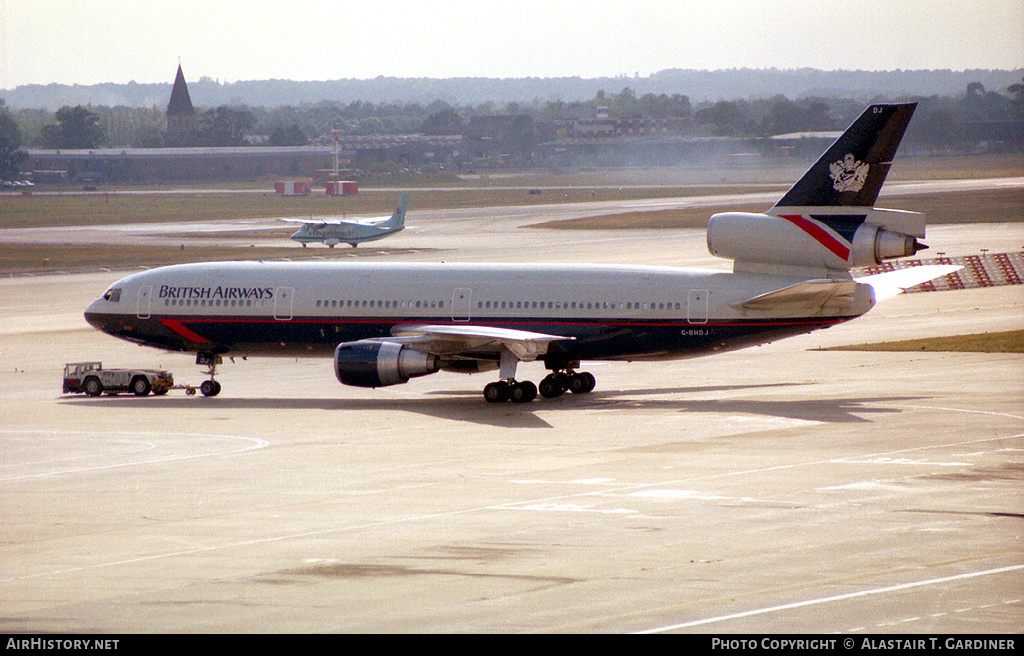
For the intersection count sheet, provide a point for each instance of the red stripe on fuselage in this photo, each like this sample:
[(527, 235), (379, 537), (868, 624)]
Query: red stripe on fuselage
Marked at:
[(820, 235), (177, 327)]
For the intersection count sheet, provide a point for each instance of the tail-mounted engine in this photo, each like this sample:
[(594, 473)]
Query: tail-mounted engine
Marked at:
[(817, 238), (370, 363), (827, 221)]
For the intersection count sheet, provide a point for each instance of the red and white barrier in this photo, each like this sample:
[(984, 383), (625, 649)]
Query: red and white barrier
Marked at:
[(986, 270), (297, 188)]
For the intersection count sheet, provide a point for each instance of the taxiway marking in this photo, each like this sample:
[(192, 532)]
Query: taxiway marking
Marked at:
[(826, 600)]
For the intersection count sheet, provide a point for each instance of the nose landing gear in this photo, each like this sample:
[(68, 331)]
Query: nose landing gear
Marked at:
[(209, 387)]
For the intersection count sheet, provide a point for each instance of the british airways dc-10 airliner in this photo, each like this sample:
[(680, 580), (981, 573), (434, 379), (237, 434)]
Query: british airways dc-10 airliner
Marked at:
[(386, 323)]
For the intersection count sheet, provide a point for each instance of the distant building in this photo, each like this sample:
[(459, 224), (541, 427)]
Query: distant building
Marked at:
[(603, 141), (185, 163), (632, 127), (801, 145), (181, 115), (239, 162)]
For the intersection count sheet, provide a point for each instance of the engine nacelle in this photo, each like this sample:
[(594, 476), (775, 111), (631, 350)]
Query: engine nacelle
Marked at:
[(369, 363), (872, 244), (828, 241)]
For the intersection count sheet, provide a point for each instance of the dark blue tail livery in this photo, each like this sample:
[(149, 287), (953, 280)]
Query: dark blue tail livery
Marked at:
[(852, 170)]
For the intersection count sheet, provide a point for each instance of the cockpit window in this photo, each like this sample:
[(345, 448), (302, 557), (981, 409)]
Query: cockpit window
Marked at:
[(113, 295)]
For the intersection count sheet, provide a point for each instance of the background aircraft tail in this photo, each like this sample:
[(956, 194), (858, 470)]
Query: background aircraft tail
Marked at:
[(397, 219)]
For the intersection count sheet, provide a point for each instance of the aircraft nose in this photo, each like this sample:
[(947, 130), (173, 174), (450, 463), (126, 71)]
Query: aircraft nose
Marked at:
[(97, 316), (92, 314)]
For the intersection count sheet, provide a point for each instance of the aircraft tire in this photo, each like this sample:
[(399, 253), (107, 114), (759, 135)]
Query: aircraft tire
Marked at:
[(552, 386), (523, 392), (210, 388), (582, 382), (497, 392)]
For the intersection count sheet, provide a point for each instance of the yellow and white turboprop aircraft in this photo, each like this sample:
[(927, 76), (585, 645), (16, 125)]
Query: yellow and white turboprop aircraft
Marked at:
[(384, 323), (350, 231)]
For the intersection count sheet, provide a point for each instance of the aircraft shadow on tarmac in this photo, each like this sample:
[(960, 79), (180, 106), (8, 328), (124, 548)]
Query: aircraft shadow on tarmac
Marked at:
[(469, 406), (362, 251), (322, 253)]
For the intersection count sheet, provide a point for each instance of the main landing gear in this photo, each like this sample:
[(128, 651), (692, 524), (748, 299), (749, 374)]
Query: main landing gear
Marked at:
[(522, 391), (559, 382), (553, 385)]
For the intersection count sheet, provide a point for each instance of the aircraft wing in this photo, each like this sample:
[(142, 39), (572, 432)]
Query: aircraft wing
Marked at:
[(448, 340), (319, 223), (309, 222), (817, 294), (891, 283)]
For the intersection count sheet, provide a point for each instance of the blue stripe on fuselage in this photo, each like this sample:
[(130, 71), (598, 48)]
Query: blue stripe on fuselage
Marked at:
[(595, 339)]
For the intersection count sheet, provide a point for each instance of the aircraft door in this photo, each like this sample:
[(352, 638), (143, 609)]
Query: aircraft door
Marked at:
[(462, 299), (144, 304), (697, 306), (284, 299)]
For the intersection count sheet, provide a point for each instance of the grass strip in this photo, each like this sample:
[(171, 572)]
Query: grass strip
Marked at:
[(975, 206), (72, 258), (1006, 342)]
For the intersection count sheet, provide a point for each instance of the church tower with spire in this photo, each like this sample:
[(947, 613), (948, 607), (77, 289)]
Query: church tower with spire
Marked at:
[(181, 116)]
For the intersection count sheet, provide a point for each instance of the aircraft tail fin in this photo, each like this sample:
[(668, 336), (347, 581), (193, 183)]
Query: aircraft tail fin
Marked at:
[(397, 219), (852, 170)]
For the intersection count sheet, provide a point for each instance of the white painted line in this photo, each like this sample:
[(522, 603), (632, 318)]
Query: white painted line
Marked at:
[(825, 600), (127, 437)]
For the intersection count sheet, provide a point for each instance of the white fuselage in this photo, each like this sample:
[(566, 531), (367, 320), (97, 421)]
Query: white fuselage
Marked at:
[(344, 233), (608, 312)]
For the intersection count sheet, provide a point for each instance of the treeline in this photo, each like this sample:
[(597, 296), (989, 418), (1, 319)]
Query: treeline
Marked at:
[(940, 121), (702, 86), (138, 127)]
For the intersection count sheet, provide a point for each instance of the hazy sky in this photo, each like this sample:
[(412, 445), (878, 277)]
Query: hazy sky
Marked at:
[(93, 41)]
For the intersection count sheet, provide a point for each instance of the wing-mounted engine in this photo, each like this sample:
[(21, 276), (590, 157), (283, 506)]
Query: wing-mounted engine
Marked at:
[(815, 237), (375, 363)]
